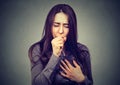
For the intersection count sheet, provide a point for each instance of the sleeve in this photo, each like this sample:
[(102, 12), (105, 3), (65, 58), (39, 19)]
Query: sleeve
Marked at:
[(88, 73), (39, 74)]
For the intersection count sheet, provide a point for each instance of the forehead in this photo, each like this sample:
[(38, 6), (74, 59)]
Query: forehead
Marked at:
[(61, 18)]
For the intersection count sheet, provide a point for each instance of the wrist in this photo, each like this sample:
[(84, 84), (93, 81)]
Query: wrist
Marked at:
[(56, 54)]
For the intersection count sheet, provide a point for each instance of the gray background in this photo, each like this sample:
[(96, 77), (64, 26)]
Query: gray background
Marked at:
[(21, 25)]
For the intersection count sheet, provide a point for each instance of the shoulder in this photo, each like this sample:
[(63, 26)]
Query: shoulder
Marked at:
[(34, 47), (34, 52), (82, 47), (84, 51)]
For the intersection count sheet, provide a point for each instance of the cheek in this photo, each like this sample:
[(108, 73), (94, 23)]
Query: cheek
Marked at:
[(53, 32), (66, 32)]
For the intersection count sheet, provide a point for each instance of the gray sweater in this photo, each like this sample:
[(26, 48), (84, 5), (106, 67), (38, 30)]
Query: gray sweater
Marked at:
[(41, 75)]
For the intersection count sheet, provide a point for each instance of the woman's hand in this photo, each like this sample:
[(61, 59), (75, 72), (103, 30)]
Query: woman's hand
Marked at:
[(57, 45), (71, 72)]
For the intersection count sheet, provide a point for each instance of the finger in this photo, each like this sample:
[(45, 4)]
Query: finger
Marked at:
[(65, 65), (75, 63), (63, 69), (59, 38), (68, 64), (60, 46), (60, 42), (65, 38), (63, 74), (56, 39)]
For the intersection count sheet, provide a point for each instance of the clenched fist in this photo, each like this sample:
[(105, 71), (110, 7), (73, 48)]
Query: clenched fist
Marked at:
[(57, 45)]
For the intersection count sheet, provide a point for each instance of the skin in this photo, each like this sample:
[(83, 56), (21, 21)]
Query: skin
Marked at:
[(60, 30)]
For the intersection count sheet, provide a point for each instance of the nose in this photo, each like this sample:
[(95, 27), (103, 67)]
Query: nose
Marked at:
[(61, 29)]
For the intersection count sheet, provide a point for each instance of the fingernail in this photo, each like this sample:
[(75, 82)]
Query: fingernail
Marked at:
[(60, 72), (60, 65), (65, 59)]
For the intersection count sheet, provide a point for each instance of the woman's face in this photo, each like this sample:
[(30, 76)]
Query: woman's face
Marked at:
[(60, 26)]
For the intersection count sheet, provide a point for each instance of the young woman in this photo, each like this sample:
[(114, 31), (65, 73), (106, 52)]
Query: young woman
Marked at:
[(58, 59)]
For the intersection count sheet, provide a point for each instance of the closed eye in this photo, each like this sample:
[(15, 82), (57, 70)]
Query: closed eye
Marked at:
[(56, 24), (66, 25)]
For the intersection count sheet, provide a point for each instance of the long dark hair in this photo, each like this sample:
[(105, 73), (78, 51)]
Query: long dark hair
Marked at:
[(45, 42)]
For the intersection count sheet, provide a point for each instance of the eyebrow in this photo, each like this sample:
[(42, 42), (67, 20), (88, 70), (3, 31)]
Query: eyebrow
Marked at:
[(59, 23)]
